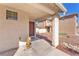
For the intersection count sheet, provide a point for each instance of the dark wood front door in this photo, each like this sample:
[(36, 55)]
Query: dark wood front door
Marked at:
[(31, 28)]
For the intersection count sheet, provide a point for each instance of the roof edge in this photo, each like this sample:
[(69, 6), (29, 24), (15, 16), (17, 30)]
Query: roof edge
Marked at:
[(69, 16), (60, 5)]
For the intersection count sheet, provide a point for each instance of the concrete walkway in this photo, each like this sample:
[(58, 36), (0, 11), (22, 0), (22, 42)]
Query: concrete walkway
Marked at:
[(39, 48)]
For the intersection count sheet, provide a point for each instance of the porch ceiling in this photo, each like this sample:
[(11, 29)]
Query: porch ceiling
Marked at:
[(36, 10)]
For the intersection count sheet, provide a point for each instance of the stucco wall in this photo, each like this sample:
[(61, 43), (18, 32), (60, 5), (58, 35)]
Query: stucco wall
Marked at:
[(10, 30), (77, 30), (68, 25)]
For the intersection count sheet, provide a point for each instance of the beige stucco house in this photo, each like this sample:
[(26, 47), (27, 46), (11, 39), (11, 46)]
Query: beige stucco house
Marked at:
[(20, 18), (67, 24)]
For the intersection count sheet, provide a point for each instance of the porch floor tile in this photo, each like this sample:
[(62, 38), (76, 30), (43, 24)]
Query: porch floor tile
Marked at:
[(39, 48)]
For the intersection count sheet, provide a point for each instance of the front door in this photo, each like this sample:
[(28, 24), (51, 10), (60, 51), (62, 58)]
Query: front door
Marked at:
[(31, 28)]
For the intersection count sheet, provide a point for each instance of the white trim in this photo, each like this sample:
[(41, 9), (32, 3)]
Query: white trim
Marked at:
[(61, 7)]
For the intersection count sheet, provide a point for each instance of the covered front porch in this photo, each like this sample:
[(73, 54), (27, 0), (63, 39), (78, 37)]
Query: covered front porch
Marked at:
[(26, 26), (42, 45), (38, 27)]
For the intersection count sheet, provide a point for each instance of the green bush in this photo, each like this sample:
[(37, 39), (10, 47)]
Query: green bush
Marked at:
[(20, 38), (62, 34)]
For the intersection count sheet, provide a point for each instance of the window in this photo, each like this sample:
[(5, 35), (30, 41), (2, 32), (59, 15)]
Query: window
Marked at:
[(11, 15)]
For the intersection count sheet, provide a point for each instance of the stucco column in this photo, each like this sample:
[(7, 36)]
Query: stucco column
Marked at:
[(55, 32)]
